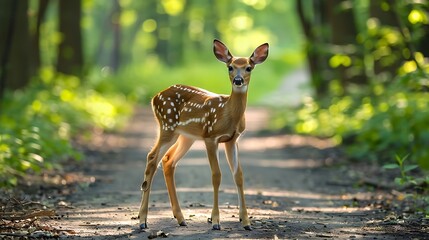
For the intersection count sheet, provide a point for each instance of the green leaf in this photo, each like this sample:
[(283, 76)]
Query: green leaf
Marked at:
[(401, 160), (410, 167), (391, 166)]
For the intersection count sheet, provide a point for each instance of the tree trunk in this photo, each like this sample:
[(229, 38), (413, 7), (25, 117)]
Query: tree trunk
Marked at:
[(14, 44), (70, 56), (116, 27), (101, 53), (313, 31), (163, 36), (179, 33), (343, 38), (35, 40)]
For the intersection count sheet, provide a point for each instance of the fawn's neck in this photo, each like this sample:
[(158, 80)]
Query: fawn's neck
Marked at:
[(237, 104)]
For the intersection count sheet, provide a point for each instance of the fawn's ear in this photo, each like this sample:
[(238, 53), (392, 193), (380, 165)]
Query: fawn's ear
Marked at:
[(221, 51), (260, 54)]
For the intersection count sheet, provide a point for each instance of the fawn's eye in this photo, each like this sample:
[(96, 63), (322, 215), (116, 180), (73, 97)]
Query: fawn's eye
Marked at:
[(248, 69), (230, 68)]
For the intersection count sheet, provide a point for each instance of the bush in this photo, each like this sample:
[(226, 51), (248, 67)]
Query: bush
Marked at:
[(387, 122), (39, 122)]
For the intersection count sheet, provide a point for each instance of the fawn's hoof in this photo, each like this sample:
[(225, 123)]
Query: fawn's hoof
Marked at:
[(216, 226), (143, 226), (183, 224), (248, 228)]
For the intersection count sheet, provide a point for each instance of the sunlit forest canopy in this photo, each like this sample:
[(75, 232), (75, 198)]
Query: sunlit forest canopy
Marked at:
[(142, 37), (140, 47), (176, 30), (170, 41)]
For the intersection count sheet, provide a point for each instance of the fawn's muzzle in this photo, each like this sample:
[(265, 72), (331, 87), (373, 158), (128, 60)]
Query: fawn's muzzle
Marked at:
[(238, 81)]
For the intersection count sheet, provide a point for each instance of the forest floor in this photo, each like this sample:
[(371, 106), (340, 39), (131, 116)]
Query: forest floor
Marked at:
[(296, 187)]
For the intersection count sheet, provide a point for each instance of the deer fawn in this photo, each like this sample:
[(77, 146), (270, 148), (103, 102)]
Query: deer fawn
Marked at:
[(186, 114)]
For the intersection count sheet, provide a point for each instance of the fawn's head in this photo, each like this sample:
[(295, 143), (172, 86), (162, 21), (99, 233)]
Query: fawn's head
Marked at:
[(240, 68)]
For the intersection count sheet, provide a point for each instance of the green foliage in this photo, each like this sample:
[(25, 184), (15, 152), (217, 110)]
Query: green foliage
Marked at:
[(420, 183), (404, 169), (372, 98), (176, 30), (39, 122), (377, 126), (384, 112), (398, 125)]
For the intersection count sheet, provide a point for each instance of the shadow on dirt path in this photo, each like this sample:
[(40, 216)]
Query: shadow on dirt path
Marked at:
[(291, 191)]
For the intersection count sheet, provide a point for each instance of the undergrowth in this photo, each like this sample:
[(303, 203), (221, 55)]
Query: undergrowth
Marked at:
[(39, 122), (420, 184), (375, 125)]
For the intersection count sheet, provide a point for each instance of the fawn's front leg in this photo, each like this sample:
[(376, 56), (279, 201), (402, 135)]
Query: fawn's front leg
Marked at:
[(212, 154), (231, 152)]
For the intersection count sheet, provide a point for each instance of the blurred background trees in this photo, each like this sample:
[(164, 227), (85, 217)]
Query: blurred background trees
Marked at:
[(83, 37), (368, 65), (66, 65), (350, 42)]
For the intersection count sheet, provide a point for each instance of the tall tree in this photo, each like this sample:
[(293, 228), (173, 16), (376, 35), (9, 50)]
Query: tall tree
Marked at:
[(14, 43), (163, 33), (343, 30), (35, 38), (178, 26), (116, 27), (70, 52), (103, 22), (314, 22), (171, 31)]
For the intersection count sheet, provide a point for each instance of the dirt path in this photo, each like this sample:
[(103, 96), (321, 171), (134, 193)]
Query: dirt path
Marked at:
[(290, 191)]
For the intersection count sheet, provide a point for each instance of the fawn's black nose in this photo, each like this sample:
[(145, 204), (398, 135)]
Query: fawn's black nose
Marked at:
[(238, 81)]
